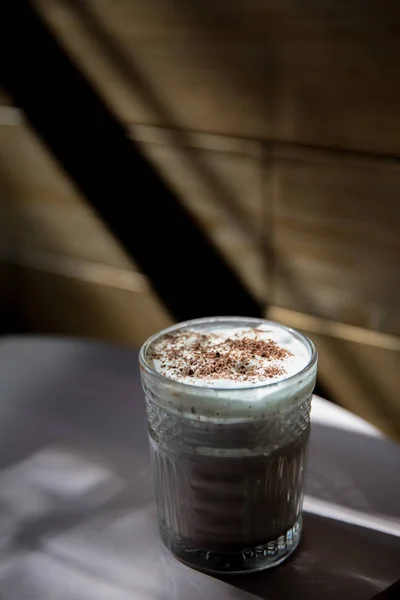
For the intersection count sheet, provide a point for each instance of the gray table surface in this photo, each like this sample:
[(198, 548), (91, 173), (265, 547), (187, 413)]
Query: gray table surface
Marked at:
[(77, 513)]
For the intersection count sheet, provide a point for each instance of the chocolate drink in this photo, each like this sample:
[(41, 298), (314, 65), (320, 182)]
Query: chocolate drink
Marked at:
[(228, 403), (230, 503)]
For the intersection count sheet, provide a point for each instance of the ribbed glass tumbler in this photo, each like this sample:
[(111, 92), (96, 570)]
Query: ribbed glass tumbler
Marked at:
[(229, 463)]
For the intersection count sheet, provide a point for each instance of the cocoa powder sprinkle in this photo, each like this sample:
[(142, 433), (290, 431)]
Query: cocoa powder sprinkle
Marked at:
[(202, 356)]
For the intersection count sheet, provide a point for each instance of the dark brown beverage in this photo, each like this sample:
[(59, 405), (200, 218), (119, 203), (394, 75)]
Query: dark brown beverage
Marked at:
[(228, 503)]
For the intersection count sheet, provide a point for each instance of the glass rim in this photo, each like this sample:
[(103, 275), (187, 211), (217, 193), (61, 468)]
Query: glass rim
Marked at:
[(204, 389)]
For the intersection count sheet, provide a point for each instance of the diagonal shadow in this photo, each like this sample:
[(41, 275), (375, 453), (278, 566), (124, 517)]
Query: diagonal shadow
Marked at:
[(139, 84), (112, 173)]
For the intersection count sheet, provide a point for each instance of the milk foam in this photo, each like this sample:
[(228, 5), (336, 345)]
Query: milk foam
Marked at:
[(297, 359)]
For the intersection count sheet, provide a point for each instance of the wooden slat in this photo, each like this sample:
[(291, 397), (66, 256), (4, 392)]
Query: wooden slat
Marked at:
[(335, 329), (63, 304), (84, 270)]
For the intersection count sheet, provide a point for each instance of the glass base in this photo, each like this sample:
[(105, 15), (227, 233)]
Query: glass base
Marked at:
[(270, 554)]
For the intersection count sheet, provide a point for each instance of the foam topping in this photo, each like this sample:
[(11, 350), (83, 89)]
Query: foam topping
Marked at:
[(229, 356)]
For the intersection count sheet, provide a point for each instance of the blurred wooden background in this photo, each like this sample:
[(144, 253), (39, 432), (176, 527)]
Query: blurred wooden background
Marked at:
[(278, 124)]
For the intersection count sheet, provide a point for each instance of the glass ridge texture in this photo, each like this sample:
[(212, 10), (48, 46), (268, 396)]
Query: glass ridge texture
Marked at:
[(229, 463)]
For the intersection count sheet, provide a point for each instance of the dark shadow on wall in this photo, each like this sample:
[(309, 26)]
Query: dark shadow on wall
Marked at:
[(185, 269), (140, 86)]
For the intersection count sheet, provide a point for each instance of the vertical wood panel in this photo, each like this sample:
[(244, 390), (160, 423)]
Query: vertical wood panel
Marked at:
[(336, 239)]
